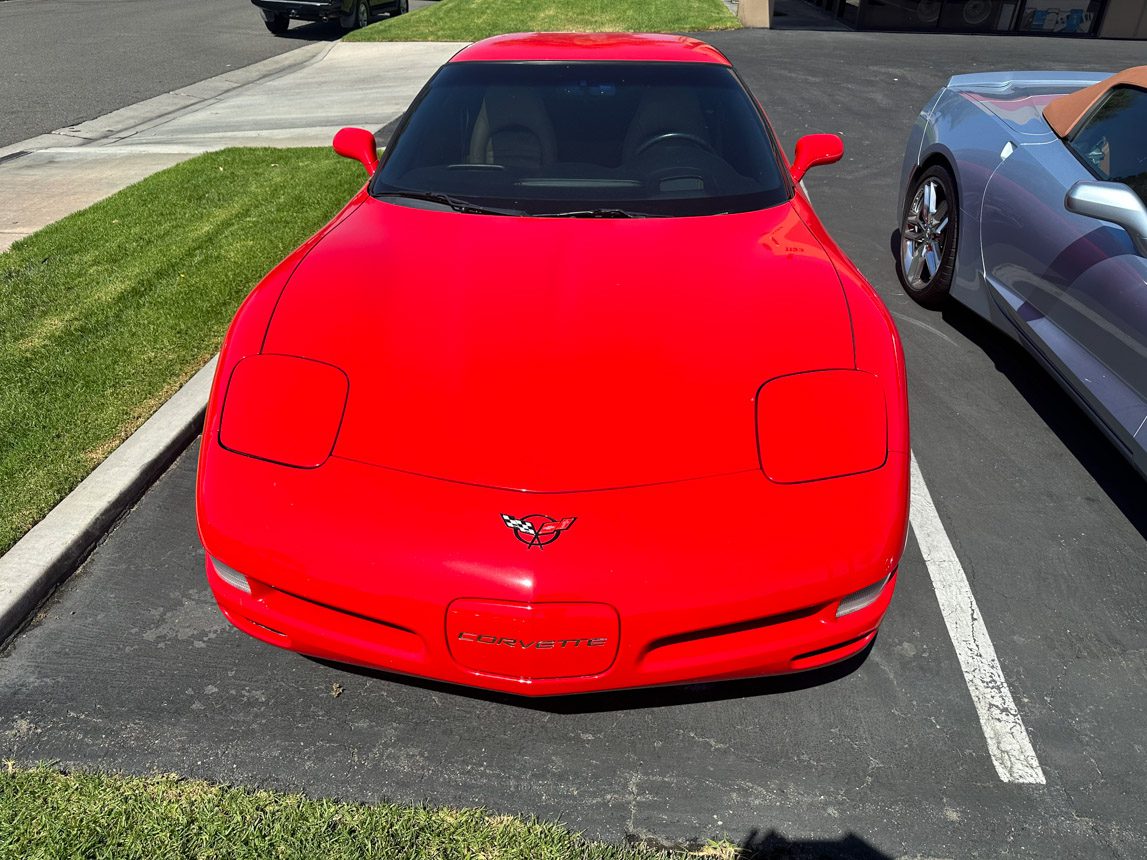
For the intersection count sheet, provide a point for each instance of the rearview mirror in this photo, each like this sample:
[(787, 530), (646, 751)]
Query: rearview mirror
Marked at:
[(1114, 202), (814, 149), (359, 144)]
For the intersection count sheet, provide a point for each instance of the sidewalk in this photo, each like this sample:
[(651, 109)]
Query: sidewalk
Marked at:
[(296, 99)]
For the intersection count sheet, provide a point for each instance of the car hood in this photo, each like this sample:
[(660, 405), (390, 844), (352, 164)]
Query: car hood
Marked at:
[(561, 354)]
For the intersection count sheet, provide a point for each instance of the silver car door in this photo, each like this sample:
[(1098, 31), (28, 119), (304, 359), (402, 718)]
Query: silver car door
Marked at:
[(1074, 286)]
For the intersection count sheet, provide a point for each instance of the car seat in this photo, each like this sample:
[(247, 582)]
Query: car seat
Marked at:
[(664, 112), (513, 129)]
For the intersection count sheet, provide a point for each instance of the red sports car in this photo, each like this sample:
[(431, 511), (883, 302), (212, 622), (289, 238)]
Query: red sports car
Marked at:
[(575, 394)]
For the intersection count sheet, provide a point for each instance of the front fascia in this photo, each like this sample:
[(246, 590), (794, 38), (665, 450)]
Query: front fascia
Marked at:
[(725, 553)]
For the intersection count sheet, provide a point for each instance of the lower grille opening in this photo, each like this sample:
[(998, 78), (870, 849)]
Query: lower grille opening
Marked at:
[(339, 609), (839, 646), (270, 630), (737, 627)]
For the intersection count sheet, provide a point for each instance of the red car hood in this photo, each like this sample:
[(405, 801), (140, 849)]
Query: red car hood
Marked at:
[(561, 354)]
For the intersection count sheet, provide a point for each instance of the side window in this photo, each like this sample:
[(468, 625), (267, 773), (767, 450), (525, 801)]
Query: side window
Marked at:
[(1112, 143)]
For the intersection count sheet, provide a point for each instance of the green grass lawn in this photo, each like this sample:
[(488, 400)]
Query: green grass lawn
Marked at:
[(106, 312), (469, 20), (45, 814)]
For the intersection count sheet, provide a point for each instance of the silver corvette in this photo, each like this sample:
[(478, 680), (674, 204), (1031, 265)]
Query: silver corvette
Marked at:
[(1022, 197)]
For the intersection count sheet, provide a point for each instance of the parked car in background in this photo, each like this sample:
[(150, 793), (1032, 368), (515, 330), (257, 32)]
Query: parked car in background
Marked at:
[(352, 14), (1022, 197)]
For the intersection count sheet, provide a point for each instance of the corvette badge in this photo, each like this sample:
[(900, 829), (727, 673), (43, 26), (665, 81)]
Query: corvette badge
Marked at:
[(537, 529)]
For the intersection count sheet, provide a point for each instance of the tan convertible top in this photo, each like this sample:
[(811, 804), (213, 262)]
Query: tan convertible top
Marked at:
[(1064, 113)]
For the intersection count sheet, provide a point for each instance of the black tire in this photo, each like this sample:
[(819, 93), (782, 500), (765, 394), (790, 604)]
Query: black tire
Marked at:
[(358, 18), (401, 7), (278, 23), (929, 234)]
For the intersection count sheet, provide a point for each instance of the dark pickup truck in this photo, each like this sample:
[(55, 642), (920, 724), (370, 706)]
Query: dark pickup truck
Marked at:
[(277, 14)]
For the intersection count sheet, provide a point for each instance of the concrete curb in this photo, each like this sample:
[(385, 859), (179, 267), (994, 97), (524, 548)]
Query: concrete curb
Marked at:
[(60, 542)]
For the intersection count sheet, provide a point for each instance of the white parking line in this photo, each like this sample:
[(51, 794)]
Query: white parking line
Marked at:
[(1008, 740)]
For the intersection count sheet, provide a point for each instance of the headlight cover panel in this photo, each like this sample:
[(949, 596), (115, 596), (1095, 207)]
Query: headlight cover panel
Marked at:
[(284, 409), (821, 424)]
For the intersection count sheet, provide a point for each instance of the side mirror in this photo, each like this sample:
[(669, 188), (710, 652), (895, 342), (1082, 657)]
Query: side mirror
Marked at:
[(1114, 202), (814, 149), (359, 144)]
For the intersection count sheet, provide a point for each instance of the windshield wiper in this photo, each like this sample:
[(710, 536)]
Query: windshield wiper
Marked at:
[(453, 202), (600, 213)]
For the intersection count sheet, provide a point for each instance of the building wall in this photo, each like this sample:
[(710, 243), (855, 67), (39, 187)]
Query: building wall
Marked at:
[(755, 13), (1125, 19)]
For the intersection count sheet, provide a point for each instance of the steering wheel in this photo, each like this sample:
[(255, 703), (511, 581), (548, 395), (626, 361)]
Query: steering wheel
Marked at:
[(673, 135)]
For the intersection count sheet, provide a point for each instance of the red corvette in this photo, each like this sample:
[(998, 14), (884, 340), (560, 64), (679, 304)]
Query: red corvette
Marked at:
[(576, 394)]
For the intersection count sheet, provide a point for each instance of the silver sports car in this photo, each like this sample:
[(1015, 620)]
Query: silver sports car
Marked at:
[(1023, 198)]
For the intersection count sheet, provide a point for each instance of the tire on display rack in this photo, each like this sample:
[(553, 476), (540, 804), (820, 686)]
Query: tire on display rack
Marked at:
[(977, 12), (928, 12), (929, 232)]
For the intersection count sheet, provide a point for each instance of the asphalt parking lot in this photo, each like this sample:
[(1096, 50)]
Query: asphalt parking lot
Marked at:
[(66, 61), (131, 667)]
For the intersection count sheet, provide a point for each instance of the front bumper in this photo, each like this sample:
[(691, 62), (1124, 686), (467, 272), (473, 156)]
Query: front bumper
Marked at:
[(713, 579)]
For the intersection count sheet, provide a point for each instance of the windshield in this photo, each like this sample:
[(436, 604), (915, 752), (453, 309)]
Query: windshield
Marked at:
[(584, 139), (1111, 143)]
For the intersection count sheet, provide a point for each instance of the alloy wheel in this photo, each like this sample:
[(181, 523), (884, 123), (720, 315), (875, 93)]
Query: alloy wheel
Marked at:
[(924, 234)]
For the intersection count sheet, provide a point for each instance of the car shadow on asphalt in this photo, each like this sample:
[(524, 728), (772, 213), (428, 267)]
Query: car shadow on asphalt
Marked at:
[(775, 846), (630, 700), (1055, 407), (314, 31)]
